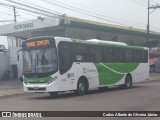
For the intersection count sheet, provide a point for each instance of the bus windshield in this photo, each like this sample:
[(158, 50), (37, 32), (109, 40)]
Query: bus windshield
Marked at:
[(41, 60)]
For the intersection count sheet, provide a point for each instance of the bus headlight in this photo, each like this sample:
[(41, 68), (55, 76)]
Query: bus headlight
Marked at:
[(53, 79), (50, 81)]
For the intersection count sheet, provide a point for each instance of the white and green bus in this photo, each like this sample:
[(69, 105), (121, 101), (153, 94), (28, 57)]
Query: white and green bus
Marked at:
[(57, 64)]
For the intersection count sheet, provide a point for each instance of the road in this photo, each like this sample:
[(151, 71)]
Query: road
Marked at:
[(143, 96)]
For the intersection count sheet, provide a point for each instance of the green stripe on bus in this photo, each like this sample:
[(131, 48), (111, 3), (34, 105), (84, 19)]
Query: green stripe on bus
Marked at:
[(37, 80), (111, 73)]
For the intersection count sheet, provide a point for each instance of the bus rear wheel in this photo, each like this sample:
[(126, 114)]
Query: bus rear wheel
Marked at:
[(82, 87), (53, 94), (128, 82)]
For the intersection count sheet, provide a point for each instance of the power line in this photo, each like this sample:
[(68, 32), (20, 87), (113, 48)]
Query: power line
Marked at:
[(35, 12), (7, 11), (30, 11), (144, 25), (154, 1), (27, 18), (92, 15), (60, 14), (80, 11), (14, 12), (154, 7), (143, 1), (22, 8), (88, 13), (137, 2), (96, 13), (104, 14), (31, 7), (29, 2)]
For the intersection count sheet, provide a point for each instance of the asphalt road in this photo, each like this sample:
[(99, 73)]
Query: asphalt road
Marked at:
[(143, 96)]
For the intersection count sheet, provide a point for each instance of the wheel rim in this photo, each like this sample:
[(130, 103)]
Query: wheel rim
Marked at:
[(81, 87), (128, 83)]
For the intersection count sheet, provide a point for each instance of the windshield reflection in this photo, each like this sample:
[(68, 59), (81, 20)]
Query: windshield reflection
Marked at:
[(40, 60)]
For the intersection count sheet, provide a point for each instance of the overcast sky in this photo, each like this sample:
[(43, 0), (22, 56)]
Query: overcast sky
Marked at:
[(122, 12)]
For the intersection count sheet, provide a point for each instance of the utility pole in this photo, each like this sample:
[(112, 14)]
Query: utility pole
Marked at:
[(15, 19), (148, 30), (148, 25)]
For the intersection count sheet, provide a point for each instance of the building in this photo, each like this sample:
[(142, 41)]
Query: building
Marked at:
[(68, 27), (4, 63)]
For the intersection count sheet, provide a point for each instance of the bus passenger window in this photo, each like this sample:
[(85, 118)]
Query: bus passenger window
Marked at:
[(98, 54), (65, 62), (80, 53), (111, 53), (119, 55), (137, 56), (65, 56), (144, 59), (128, 55)]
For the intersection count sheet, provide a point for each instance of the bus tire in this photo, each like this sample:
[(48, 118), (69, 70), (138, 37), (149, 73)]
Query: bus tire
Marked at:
[(82, 87), (128, 82), (53, 94)]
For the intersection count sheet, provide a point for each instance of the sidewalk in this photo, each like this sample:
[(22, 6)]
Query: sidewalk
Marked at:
[(11, 84), (154, 76)]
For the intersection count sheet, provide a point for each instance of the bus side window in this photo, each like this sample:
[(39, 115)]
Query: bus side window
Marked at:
[(119, 55), (105, 54), (80, 52), (111, 54), (128, 55), (91, 53), (98, 54), (144, 58), (137, 56), (95, 53), (65, 56)]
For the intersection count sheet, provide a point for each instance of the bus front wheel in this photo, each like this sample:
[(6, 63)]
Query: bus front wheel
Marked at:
[(82, 87)]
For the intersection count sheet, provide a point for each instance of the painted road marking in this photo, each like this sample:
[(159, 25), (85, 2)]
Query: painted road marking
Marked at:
[(10, 92)]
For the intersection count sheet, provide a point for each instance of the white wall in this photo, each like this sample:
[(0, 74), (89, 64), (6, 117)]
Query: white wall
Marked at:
[(14, 45), (4, 63), (13, 59)]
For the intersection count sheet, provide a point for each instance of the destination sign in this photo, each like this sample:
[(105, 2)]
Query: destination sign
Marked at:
[(36, 43)]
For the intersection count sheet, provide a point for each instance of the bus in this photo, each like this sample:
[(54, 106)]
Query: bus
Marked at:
[(57, 64)]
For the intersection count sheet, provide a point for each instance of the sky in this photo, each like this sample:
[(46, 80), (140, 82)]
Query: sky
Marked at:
[(130, 13)]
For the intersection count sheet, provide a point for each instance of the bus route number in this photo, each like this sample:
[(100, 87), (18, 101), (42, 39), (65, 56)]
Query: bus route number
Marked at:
[(37, 43)]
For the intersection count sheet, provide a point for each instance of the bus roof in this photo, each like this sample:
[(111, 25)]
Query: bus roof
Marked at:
[(93, 41), (108, 42)]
